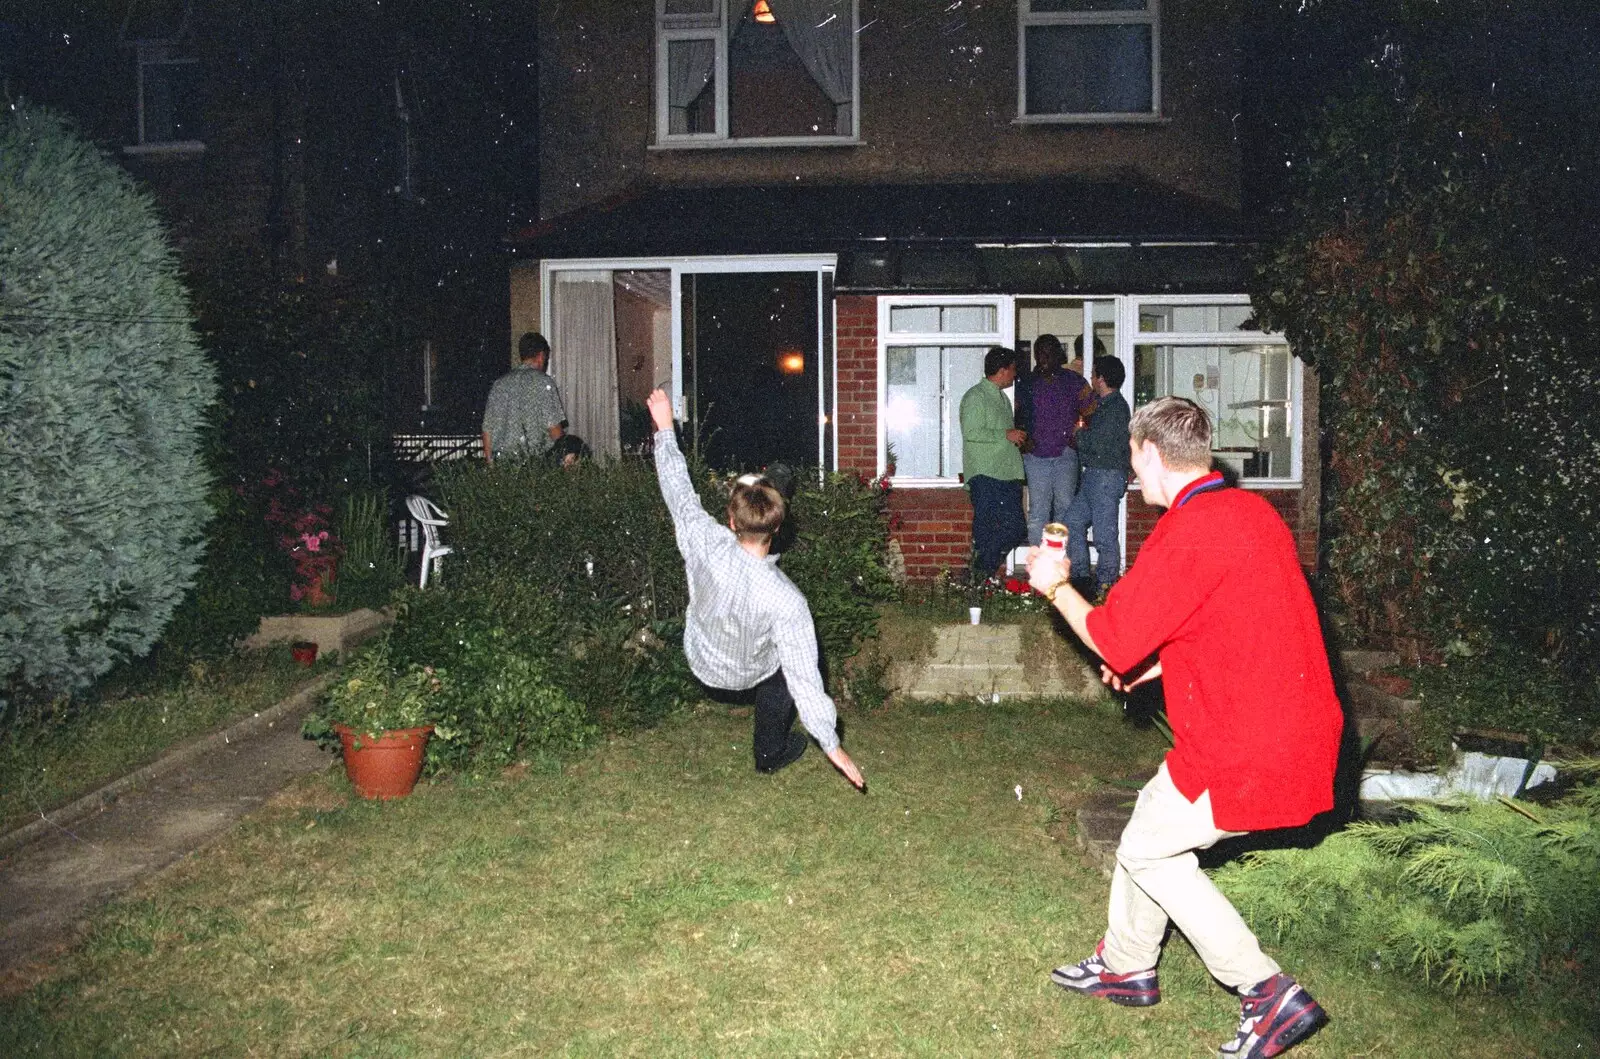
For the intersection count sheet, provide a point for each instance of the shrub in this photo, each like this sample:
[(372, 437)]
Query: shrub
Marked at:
[(244, 576), (506, 697), (598, 538), (1425, 268), (1488, 894), (373, 696), (103, 392), (373, 565)]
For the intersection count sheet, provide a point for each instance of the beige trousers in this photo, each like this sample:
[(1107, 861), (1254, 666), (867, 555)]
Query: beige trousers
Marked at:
[(1158, 878)]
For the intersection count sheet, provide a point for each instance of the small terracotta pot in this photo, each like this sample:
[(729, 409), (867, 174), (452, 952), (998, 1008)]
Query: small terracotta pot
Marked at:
[(387, 765), (305, 652)]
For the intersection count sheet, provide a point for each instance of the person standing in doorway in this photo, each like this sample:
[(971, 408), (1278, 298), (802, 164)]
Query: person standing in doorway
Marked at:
[(524, 414), (1050, 457), (1218, 599), (1103, 452), (991, 460), (747, 626)]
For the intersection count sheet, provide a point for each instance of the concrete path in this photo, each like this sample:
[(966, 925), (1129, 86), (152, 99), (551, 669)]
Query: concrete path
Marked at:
[(58, 869)]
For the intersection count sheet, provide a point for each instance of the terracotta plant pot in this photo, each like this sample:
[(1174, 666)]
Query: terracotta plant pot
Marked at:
[(386, 766), (305, 652)]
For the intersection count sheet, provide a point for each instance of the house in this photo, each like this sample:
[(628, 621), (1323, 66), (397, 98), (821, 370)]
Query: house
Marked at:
[(810, 218), (295, 144)]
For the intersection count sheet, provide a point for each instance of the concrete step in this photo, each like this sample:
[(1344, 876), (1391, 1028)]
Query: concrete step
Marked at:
[(996, 661)]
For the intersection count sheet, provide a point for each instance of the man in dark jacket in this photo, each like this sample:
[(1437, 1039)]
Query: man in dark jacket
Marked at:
[(1103, 452)]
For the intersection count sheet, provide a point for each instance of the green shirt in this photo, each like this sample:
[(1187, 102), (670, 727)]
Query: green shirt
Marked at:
[(986, 415)]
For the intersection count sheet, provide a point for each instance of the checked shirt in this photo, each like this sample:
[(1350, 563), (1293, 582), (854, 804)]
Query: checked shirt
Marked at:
[(746, 618)]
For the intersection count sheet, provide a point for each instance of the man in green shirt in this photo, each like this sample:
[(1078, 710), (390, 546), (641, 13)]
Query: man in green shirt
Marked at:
[(991, 459)]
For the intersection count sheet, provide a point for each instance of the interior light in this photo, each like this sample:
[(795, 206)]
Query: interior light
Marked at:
[(763, 12), (792, 363)]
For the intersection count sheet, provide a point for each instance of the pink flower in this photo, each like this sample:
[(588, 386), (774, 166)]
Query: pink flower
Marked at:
[(313, 541)]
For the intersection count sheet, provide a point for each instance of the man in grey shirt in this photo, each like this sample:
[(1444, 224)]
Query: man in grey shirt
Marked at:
[(524, 414), (748, 625)]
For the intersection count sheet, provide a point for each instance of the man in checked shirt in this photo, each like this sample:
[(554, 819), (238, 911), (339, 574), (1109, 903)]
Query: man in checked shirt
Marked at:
[(748, 625)]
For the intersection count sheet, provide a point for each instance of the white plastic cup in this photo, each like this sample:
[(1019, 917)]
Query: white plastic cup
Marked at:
[(974, 613)]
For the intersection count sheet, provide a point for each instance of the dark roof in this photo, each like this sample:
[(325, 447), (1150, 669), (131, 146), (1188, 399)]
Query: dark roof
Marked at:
[(1026, 238)]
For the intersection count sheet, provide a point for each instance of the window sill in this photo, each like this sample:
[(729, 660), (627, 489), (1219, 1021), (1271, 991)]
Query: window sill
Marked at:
[(1091, 119), (926, 483), (176, 147), (1284, 484), (765, 141)]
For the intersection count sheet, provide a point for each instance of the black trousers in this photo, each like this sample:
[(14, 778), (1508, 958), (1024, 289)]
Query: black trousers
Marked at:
[(775, 714)]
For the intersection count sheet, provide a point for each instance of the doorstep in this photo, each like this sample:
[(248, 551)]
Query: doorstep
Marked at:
[(330, 632)]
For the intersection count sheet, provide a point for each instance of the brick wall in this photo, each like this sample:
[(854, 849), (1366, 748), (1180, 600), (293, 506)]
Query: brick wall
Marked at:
[(934, 528), (856, 341)]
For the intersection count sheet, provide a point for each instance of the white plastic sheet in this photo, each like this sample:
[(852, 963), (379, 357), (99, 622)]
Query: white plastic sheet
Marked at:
[(1481, 776)]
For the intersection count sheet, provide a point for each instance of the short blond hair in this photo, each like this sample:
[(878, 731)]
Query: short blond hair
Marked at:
[(1179, 429), (756, 508)]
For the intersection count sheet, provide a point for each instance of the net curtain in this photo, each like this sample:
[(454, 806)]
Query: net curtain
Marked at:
[(583, 358)]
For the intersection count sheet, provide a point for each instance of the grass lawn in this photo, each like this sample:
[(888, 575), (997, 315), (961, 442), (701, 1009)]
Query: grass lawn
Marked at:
[(659, 898), (128, 723)]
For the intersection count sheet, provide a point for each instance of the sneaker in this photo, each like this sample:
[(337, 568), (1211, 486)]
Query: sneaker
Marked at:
[(792, 750), (1275, 1016), (1138, 989)]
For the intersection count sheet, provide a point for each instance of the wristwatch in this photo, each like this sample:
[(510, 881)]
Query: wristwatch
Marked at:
[(1050, 593)]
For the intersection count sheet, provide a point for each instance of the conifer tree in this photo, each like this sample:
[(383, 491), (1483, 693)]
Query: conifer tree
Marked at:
[(103, 391)]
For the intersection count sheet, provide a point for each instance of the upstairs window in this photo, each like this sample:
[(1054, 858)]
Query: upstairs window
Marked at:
[(167, 85), (1088, 60), (779, 72)]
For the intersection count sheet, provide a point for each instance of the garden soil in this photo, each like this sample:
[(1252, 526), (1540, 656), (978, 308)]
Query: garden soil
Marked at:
[(63, 866)]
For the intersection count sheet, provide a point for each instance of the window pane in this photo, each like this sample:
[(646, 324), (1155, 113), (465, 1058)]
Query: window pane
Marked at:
[(1195, 318), (1074, 6), (171, 102), (1245, 390), (1088, 69), (963, 369), (911, 406), (968, 319), (923, 387), (691, 7), (781, 84), (918, 319), (944, 319), (691, 87)]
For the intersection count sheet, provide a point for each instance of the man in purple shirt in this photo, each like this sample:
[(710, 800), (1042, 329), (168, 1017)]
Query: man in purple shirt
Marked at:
[(1050, 461)]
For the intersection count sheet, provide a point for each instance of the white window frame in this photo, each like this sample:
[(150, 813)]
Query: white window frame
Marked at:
[(1027, 17), (1005, 334), (678, 267), (714, 27), (1129, 337), (159, 53)]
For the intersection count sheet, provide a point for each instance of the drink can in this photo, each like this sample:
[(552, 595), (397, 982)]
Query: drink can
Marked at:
[(1054, 539)]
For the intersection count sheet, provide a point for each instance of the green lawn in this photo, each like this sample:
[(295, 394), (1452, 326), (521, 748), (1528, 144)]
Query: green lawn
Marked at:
[(661, 899)]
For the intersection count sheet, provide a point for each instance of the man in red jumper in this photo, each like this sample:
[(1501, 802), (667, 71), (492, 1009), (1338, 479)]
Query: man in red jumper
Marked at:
[(1217, 607)]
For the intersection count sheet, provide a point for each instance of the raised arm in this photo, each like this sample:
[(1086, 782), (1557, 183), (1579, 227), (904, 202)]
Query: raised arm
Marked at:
[(672, 471)]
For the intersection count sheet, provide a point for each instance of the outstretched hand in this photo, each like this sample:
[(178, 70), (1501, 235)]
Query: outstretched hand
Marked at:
[(842, 762), (660, 406)]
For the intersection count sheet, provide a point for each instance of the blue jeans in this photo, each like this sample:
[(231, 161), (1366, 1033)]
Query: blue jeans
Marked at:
[(1052, 481), (997, 525), (1099, 495)]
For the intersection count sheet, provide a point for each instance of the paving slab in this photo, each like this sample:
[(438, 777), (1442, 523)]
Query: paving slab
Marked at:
[(65, 865)]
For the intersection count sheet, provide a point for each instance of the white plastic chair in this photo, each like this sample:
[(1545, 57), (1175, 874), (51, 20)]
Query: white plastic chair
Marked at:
[(430, 518)]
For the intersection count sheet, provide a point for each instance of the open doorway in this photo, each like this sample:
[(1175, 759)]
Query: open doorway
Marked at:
[(751, 367)]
